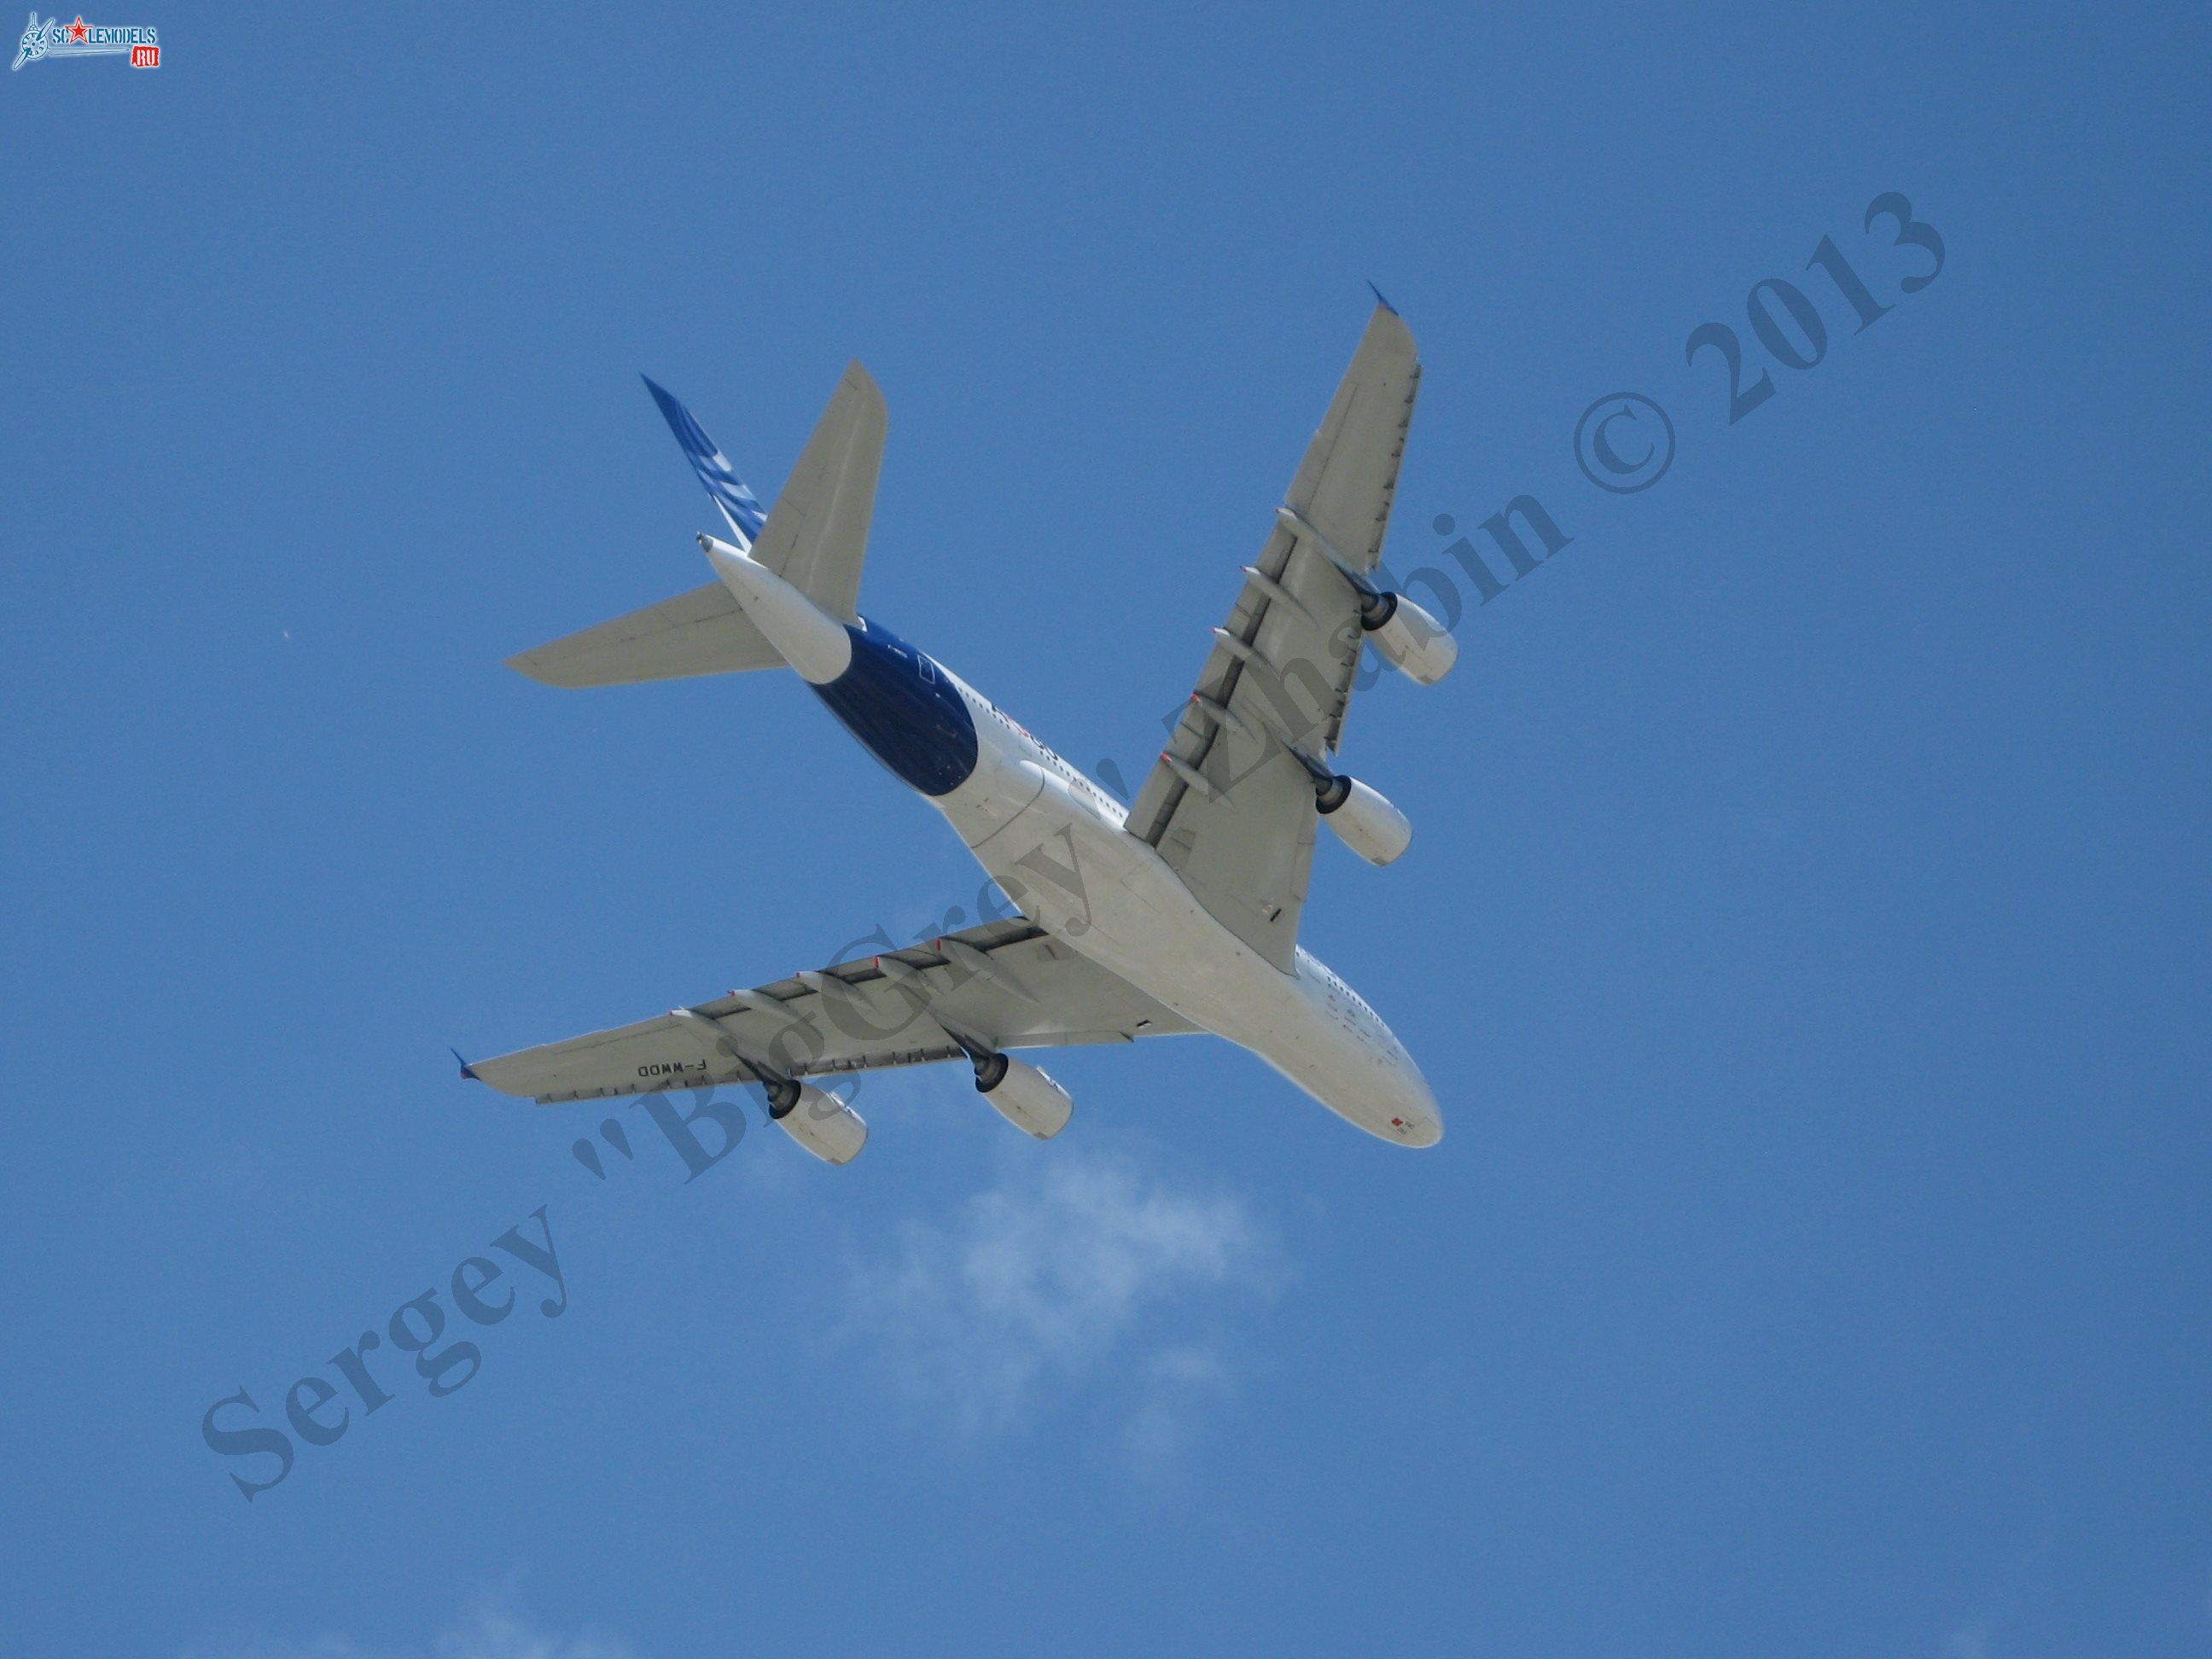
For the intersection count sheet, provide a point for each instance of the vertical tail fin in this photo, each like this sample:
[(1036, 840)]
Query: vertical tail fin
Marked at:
[(817, 539), (739, 506)]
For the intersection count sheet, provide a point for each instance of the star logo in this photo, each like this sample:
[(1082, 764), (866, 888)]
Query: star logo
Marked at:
[(77, 32)]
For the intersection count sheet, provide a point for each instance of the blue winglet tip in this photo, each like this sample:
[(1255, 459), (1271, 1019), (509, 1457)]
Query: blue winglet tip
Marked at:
[(1371, 288), (467, 1070)]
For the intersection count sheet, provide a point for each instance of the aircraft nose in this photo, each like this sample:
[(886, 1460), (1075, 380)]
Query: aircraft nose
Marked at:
[(1422, 1131), (1417, 1121)]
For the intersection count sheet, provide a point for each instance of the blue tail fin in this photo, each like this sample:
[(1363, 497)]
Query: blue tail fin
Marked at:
[(740, 507)]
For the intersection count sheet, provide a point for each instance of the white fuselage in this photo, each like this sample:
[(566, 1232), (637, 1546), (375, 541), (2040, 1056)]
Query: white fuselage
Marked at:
[(1056, 842)]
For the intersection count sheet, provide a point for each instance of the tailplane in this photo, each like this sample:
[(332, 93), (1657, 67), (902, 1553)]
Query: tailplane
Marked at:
[(815, 539)]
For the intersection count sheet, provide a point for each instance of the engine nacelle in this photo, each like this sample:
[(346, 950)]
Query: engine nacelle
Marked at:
[(1409, 638), (1024, 1096), (821, 1122), (1364, 819)]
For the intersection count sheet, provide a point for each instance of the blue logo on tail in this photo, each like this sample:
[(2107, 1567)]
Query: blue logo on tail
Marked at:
[(738, 504)]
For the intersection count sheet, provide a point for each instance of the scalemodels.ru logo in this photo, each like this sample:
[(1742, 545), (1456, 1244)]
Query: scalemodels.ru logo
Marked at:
[(55, 39)]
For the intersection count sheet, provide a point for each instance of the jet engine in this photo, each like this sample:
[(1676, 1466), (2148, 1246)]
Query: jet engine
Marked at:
[(1024, 1096), (821, 1122), (1362, 818), (1409, 638)]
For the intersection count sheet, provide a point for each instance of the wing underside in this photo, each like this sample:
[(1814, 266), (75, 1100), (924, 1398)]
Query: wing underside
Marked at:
[(1228, 805), (1005, 985)]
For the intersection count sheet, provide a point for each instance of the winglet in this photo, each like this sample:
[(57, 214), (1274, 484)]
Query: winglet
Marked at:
[(467, 1070), (739, 505), (1371, 288)]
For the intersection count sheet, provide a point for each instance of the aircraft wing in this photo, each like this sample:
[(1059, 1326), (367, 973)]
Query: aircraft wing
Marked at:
[(1006, 984), (1228, 807)]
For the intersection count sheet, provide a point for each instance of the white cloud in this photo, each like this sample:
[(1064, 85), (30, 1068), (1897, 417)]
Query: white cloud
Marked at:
[(1178, 1383), (1076, 1271), (490, 1632)]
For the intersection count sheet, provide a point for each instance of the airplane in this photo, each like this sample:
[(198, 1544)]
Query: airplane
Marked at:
[(1178, 914)]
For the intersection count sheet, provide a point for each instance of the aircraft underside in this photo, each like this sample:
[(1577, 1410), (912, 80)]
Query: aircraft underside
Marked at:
[(1180, 914)]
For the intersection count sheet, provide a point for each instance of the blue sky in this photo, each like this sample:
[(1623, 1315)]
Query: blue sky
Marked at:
[(1805, 929)]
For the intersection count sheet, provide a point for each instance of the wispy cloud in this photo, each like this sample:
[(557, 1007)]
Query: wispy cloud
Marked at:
[(489, 1631), (492, 1634), (1178, 1384), (1079, 1270)]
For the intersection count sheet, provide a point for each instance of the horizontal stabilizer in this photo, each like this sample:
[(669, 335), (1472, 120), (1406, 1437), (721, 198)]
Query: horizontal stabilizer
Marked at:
[(816, 537), (701, 632)]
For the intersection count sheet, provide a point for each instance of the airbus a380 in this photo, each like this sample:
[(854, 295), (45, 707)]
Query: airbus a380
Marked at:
[(1178, 915)]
